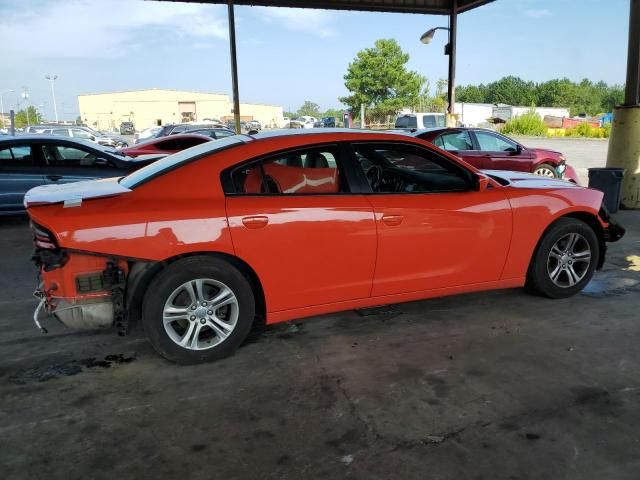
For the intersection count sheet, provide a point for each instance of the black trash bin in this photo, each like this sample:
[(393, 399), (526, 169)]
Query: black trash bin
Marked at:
[(608, 181)]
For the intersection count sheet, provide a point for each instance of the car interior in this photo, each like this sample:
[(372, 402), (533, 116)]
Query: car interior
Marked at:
[(403, 169), (310, 172)]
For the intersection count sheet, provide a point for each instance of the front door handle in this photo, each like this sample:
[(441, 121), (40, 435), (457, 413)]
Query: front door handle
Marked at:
[(392, 220), (54, 178), (258, 221)]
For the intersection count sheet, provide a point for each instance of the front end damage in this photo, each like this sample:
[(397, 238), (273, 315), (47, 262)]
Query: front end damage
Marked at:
[(81, 290), (612, 231)]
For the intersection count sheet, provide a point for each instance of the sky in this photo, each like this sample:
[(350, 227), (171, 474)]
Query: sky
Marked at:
[(287, 56)]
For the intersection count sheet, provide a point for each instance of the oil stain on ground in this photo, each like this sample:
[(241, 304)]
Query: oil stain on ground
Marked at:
[(68, 368)]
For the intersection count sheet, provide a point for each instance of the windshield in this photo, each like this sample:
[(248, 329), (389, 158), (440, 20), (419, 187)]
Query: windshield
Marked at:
[(175, 160)]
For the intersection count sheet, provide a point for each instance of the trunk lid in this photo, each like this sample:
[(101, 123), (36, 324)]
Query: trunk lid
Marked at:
[(72, 194)]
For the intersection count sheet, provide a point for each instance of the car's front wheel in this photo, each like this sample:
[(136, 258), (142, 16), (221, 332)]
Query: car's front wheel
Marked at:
[(546, 170), (198, 309), (565, 260)]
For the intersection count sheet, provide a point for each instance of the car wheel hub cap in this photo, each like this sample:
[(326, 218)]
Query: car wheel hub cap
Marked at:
[(200, 314), (569, 260), (545, 172)]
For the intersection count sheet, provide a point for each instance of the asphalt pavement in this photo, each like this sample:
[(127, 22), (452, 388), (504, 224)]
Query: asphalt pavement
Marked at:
[(581, 153), (497, 385)]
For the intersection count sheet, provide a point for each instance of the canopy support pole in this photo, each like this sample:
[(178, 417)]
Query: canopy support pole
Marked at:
[(234, 65), (451, 87), (624, 144)]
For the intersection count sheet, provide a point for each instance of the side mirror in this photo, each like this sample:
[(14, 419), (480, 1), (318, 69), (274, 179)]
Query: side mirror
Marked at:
[(482, 183), (93, 138)]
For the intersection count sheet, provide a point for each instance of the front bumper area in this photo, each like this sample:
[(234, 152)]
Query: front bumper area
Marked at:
[(613, 231)]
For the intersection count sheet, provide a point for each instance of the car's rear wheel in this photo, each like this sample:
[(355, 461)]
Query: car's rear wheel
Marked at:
[(546, 170), (198, 309), (565, 260)]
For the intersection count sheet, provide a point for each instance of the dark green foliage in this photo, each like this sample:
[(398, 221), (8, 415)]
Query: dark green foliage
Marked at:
[(379, 79), (583, 97)]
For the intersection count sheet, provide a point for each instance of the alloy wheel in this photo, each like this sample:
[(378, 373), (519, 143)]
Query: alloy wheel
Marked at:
[(545, 172), (200, 314), (569, 260)]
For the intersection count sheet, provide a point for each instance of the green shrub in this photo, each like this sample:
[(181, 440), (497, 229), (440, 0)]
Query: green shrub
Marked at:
[(588, 131), (528, 123)]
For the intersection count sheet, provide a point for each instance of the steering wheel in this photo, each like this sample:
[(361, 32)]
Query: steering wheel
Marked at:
[(374, 176)]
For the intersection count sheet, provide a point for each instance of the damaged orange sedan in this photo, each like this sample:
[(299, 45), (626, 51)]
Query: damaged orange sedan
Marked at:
[(285, 225)]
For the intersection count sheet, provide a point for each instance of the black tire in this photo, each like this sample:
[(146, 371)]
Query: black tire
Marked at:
[(547, 166), (539, 278), (178, 273)]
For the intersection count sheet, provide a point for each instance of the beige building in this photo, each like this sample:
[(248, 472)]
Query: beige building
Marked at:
[(147, 108)]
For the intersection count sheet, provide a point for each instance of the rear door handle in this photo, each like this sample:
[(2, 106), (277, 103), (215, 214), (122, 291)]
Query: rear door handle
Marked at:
[(55, 178), (392, 220), (258, 221)]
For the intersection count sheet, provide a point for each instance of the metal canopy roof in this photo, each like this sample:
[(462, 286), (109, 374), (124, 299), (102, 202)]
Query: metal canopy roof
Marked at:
[(437, 7)]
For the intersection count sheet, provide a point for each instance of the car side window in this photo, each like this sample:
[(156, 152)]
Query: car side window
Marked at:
[(310, 171), (491, 142), (81, 134), (222, 134), (402, 168), (455, 141), (59, 156), (179, 143), (407, 121), (432, 121), (16, 156), (60, 131)]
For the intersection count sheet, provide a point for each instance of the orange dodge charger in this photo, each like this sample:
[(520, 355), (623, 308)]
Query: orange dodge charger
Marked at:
[(285, 225)]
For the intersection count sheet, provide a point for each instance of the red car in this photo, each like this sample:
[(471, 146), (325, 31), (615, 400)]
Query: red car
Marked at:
[(284, 225), (167, 145), (486, 149)]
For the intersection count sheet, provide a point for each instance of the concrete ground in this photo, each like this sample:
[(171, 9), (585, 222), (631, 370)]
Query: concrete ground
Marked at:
[(581, 153), (498, 385)]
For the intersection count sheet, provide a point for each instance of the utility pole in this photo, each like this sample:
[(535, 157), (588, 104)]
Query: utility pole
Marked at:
[(2, 105), (25, 98), (53, 78)]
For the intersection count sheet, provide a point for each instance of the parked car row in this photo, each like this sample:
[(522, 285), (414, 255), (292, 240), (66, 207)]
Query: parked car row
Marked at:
[(21, 156), (78, 131), (177, 128), (28, 161)]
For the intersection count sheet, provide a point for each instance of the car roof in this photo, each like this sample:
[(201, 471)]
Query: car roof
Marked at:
[(177, 135), (40, 138), (321, 132)]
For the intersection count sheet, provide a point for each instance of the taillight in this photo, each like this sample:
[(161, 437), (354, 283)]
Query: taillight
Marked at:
[(43, 238)]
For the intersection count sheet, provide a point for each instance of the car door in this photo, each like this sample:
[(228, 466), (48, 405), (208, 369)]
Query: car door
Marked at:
[(502, 153), (65, 163), (294, 220), (19, 172), (434, 229), (460, 143)]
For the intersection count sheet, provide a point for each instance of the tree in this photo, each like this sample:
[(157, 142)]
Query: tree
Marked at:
[(471, 94), (512, 91), (310, 109), (379, 79), (30, 116), (583, 97)]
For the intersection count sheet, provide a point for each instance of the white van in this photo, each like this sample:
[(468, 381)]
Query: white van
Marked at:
[(419, 121)]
